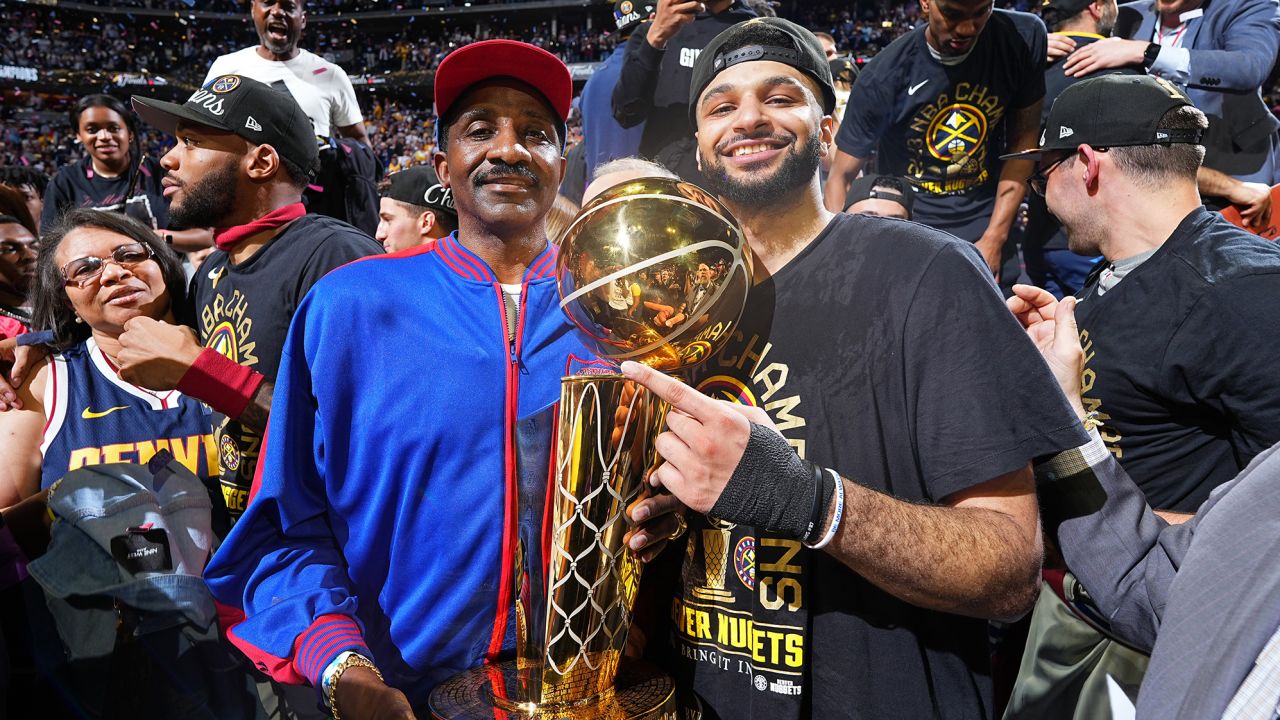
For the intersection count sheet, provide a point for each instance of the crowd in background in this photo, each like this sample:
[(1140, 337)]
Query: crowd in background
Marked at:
[(180, 50), (36, 133)]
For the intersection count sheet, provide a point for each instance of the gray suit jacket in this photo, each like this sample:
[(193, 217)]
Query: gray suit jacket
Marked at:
[(1204, 596), (1233, 47), (1232, 50)]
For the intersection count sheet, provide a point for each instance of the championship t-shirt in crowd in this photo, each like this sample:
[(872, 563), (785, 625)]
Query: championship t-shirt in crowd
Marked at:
[(243, 311), (943, 126), (1179, 360), (883, 351), (79, 186), (322, 89)]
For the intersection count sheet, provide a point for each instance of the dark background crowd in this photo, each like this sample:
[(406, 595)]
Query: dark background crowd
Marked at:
[(102, 51)]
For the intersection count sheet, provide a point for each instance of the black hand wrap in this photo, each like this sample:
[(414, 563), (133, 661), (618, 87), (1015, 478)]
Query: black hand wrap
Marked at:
[(773, 489)]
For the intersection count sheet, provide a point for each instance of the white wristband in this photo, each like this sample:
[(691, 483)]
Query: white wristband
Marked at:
[(326, 677), (839, 514)]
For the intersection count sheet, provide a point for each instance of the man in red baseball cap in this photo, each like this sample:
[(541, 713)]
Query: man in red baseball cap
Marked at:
[(378, 555)]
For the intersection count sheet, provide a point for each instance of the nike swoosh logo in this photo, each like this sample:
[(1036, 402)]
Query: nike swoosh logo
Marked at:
[(91, 415), (912, 90)]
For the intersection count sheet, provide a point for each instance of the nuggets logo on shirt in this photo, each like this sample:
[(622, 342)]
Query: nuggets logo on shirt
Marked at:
[(744, 561), (947, 139), (956, 133)]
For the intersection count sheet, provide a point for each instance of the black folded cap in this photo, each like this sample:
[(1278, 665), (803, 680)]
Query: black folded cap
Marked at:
[(243, 106), (419, 186), (1112, 111), (804, 53)]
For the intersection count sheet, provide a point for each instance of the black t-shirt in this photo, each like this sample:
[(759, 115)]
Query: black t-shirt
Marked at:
[(653, 88), (885, 352), (943, 127), (78, 186), (1181, 360), (243, 311), (1043, 229)]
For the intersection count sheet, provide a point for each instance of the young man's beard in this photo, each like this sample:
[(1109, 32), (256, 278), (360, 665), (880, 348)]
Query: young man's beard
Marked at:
[(209, 201), (798, 169)]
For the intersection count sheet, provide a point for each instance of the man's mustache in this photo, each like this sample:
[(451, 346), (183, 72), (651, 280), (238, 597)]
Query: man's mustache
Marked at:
[(501, 169)]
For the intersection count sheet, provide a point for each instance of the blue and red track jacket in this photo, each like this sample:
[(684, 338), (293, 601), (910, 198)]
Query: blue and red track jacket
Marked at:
[(383, 518)]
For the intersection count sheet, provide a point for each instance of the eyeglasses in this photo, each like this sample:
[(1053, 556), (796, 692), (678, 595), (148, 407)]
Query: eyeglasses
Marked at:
[(82, 271), (1039, 179), (14, 247)]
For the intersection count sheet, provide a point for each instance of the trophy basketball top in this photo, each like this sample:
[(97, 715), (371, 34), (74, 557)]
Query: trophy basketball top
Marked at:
[(654, 270)]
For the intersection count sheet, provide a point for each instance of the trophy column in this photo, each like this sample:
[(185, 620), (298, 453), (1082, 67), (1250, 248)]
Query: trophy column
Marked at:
[(576, 580)]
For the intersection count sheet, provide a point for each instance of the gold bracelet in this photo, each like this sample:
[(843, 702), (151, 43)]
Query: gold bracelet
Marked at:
[(351, 660)]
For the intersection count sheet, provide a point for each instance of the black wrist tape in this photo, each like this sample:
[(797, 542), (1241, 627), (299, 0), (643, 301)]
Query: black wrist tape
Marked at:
[(773, 489)]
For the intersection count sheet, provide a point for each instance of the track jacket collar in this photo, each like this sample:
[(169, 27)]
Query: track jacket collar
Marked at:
[(467, 264)]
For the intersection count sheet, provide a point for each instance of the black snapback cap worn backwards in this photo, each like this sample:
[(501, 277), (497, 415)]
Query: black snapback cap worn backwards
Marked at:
[(1112, 111), (419, 185), (243, 106), (805, 54)]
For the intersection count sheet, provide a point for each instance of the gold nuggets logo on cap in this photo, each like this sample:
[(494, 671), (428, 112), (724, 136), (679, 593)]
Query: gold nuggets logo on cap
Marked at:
[(225, 84), (626, 7)]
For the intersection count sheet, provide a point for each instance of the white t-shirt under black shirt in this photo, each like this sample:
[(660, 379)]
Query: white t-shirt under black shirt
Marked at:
[(321, 88)]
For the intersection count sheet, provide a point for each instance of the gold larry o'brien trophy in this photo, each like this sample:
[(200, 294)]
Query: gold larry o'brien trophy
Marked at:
[(652, 270)]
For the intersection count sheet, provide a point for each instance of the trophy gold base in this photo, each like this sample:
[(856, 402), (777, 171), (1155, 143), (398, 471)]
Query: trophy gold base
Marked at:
[(640, 692), (703, 593)]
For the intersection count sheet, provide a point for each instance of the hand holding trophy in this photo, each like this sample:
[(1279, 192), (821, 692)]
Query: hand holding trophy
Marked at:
[(652, 270)]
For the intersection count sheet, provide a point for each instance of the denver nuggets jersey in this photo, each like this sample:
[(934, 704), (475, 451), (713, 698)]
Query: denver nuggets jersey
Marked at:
[(94, 417)]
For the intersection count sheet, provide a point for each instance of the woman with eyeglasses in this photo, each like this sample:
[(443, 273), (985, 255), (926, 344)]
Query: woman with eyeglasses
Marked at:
[(95, 271), (115, 174)]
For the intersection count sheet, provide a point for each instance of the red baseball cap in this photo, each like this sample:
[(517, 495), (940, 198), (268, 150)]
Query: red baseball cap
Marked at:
[(487, 59)]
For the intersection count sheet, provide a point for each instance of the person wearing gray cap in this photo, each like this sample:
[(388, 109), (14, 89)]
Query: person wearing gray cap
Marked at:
[(1176, 323), (867, 504), (415, 209)]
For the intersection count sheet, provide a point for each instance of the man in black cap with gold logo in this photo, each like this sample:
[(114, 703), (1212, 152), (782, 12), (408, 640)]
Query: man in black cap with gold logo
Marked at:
[(244, 155)]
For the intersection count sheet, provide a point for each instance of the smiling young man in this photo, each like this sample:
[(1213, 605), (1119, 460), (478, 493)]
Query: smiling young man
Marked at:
[(383, 533), (879, 349), (936, 107)]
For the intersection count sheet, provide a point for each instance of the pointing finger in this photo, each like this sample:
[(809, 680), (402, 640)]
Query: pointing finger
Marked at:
[(681, 396)]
